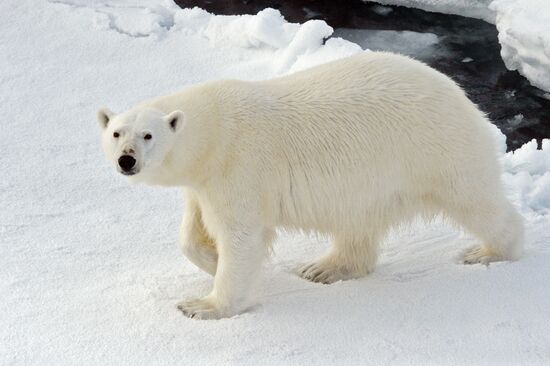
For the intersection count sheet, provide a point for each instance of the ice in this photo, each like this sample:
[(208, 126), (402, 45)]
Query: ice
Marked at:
[(524, 34), (516, 120), (527, 170), (523, 26), (528, 158), (381, 10), (419, 45), (468, 8), (90, 269)]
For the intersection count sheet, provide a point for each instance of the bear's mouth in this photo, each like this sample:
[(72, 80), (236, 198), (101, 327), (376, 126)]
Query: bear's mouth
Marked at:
[(129, 172)]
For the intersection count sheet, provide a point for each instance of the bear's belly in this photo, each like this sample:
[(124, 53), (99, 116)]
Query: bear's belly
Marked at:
[(328, 204)]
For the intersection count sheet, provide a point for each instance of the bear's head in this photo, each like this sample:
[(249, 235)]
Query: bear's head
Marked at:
[(137, 142)]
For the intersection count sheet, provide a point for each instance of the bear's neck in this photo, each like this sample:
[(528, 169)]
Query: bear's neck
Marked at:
[(190, 161)]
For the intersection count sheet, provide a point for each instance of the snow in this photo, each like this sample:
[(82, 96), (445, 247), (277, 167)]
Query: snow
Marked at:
[(89, 266), (296, 46), (267, 28)]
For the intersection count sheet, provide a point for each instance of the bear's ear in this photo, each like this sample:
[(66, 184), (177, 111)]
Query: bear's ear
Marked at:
[(175, 120), (104, 115)]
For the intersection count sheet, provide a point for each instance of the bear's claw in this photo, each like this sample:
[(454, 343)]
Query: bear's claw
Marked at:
[(199, 309), (478, 254), (321, 272)]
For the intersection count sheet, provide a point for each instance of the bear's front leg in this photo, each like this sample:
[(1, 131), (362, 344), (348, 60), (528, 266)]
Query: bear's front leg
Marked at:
[(241, 251), (197, 245)]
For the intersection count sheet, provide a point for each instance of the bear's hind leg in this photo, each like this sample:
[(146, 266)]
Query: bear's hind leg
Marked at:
[(347, 259), (496, 223)]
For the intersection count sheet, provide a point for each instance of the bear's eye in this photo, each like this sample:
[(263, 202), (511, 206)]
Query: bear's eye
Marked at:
[(147, 137), (116, 135)]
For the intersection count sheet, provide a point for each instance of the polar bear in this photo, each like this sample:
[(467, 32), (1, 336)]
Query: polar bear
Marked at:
[(348, 149)]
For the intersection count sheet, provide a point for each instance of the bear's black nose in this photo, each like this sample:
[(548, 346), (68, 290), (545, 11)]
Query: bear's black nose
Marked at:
[(126, 162)]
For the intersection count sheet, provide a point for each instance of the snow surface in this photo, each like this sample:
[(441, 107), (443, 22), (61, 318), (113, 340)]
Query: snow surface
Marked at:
[(523, 26), (89, 266)]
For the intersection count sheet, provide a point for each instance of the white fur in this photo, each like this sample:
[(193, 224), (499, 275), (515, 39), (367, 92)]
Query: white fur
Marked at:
[(349, 149)]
